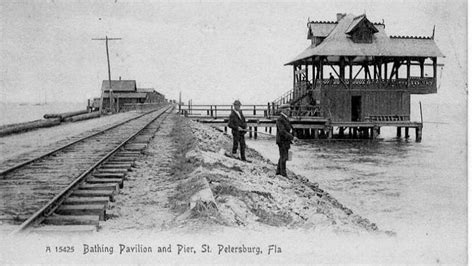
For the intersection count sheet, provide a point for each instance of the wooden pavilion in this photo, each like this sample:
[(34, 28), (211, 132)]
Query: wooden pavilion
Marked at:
[(353, 74)]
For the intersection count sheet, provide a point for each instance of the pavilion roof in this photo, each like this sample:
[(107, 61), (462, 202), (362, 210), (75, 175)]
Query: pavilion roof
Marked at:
[(338, 43)]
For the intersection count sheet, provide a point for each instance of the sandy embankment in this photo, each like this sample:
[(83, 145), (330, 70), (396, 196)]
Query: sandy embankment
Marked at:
[(198, 187)]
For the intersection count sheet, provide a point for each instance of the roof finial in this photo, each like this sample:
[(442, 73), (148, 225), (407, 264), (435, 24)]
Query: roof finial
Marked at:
[(434, 29)]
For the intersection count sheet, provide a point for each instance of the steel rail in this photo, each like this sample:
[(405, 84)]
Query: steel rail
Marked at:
[(54, 203), (3, 173)]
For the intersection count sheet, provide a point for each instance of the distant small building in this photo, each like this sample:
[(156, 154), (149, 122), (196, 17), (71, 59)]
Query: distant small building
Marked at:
[(125, 92), (152, 96)]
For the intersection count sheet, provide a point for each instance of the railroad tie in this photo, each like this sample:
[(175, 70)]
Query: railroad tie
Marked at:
[(128, 166), (72, 220), (135, 146), (100, 186), (86, 200), (112, 170), (122, 160), (109, 175), (83, 209), (94, 193), (55, 229), (116, 165), (129, 153), (104, 181)]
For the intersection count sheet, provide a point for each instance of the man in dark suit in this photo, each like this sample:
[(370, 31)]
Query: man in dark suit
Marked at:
[(283, 139), (239, 127)]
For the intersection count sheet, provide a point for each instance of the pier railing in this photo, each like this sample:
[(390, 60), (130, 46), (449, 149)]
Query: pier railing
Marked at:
[(222, 111), (415, 85), (140, 106)]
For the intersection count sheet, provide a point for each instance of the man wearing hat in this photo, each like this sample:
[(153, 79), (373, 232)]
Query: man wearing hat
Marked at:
[(283, 139), (238, 125)]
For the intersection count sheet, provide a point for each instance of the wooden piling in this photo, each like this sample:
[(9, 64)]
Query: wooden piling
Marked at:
[(255, 133), (418, 134), (399, 132), (406, 132), (330, 133), (375, 132), (341, 132)]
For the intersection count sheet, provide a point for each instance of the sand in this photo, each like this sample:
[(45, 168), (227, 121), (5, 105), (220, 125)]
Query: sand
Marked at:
[(184, 181)]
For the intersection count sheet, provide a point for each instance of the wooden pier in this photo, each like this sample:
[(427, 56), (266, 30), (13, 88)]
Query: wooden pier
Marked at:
[(306, 127)]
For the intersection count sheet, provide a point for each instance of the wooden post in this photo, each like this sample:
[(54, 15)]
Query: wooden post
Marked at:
[(386, 70), (255, 133), (408, 72), (294, 76), (270, 130), (406, 132), (341, 132), (330, 132), (365, 74), (422, 67), (375, 71), (350, 72), (321, 65), (375, 132), (313, 60), (306, 71), (434, 67), (418, 134), (342, 72)]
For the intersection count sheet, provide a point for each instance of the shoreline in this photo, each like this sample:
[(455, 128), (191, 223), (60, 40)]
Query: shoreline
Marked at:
[(206, 190)]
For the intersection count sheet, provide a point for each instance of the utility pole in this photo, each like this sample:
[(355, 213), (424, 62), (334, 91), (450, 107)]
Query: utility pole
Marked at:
[(106, 39)]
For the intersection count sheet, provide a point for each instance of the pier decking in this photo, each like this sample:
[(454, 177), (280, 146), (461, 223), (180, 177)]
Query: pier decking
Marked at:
[(305, 126)]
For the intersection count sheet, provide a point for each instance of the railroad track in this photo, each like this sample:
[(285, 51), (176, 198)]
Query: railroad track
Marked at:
[(70, 187)]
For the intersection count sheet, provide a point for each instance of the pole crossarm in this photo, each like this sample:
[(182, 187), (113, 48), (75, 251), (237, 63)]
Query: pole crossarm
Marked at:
[(103, 39)]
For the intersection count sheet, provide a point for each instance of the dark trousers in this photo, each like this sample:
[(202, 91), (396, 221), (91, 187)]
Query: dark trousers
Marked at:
[(239, 139), (283, 149)]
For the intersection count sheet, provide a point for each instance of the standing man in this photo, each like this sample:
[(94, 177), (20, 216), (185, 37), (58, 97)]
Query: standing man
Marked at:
[(239, 127), (283, 139), (331, 79)]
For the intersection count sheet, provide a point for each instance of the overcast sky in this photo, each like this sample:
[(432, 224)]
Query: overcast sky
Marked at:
[(212, 52)]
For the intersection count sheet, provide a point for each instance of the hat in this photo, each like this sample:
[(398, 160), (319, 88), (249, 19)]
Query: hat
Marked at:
[(237, 102)]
